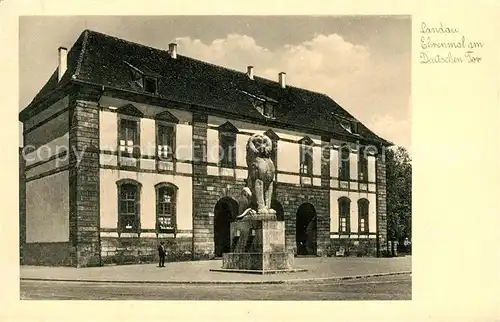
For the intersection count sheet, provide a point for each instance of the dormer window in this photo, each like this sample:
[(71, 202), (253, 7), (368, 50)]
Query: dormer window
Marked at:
[(150, 84), (263, 104), (145, 79), (268, 109), (259, 105), (346, 125), (350, 126), (354, 127)]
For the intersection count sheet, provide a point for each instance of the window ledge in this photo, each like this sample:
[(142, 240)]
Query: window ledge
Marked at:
[(166, 231), (226, 172), (306, 180), (128, 168), (128, 235)]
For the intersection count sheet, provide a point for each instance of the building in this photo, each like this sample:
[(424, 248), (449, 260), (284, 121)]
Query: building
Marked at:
[(22, 204), (126, 145)]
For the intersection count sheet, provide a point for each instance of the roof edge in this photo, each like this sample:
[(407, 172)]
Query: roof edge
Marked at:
[(82, 53), (32, 108)]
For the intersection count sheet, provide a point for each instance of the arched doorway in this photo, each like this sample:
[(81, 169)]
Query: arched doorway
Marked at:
[(225, 212), (280, 213), (306, 229)]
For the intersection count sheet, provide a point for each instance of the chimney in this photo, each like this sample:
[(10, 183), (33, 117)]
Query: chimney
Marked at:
[(282, 79), (250, 72), (172, 49), (63, 62)]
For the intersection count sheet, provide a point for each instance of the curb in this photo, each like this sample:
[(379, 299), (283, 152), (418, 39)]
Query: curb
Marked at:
[(291, 281)]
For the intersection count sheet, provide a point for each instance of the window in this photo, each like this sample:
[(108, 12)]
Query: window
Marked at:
[(166, 202), (344, 168), (363, 165), (354, 127), (269, 109), (259, 105), (129, 138), (227, 145), (306, 160), (344, 215), (350, 125), (150, 84), (346, 125), (166, 142), (128, 207), (363, 206), (227, 150)]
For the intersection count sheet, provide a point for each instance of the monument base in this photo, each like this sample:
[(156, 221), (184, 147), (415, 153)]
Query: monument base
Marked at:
[(257, 261), (259, 272), (258, 247)]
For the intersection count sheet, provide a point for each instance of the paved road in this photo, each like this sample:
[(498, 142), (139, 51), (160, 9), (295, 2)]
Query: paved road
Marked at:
[(396, 287)]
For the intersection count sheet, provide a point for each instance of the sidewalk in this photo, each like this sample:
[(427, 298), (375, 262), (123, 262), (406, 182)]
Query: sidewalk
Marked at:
[(198, 272)]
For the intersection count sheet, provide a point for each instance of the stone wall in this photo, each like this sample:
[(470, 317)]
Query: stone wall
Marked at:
[(84, 177), (209, 191), (202, 236), (129, 250), (48, 254), (291, 197), (22, 205), (354, 247), (381, 206)]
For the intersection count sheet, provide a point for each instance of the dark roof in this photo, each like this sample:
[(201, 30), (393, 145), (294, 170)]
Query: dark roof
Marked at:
[(108, 61)]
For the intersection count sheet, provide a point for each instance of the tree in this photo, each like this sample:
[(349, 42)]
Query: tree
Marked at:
[(398, 169)]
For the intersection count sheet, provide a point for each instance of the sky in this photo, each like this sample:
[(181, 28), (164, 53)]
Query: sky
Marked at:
[(362, 62)]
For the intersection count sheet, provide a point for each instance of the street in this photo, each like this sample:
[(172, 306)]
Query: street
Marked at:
[(396, 287)]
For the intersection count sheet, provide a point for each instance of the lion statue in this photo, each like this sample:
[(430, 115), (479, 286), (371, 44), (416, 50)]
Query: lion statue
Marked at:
[(256, 196)]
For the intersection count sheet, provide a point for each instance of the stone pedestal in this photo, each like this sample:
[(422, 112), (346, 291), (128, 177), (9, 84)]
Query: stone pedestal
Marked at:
[(258, 246)]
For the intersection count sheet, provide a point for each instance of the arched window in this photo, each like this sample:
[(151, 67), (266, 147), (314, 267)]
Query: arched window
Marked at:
[(166, 207), (129, 192), (344, 215), (363, 207)]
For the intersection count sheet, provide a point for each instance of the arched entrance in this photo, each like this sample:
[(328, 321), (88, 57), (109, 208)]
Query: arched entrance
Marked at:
[(280, 213), (306, 229), (225, 212)]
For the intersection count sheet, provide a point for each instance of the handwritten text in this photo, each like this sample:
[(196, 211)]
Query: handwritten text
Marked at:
[(441, 44)]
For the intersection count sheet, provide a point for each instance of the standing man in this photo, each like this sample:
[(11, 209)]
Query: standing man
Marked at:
[(161, 254)]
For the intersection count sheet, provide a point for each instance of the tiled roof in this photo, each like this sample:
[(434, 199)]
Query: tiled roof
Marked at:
[(105, 60)]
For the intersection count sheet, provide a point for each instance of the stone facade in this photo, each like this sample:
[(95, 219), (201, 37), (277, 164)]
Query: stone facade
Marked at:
[(202, 221), (84, 178), (22, 205), (48, 254), (354, 247), (137, 250), (89, 245), (209, 191), (291, 198), (381, 206)]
